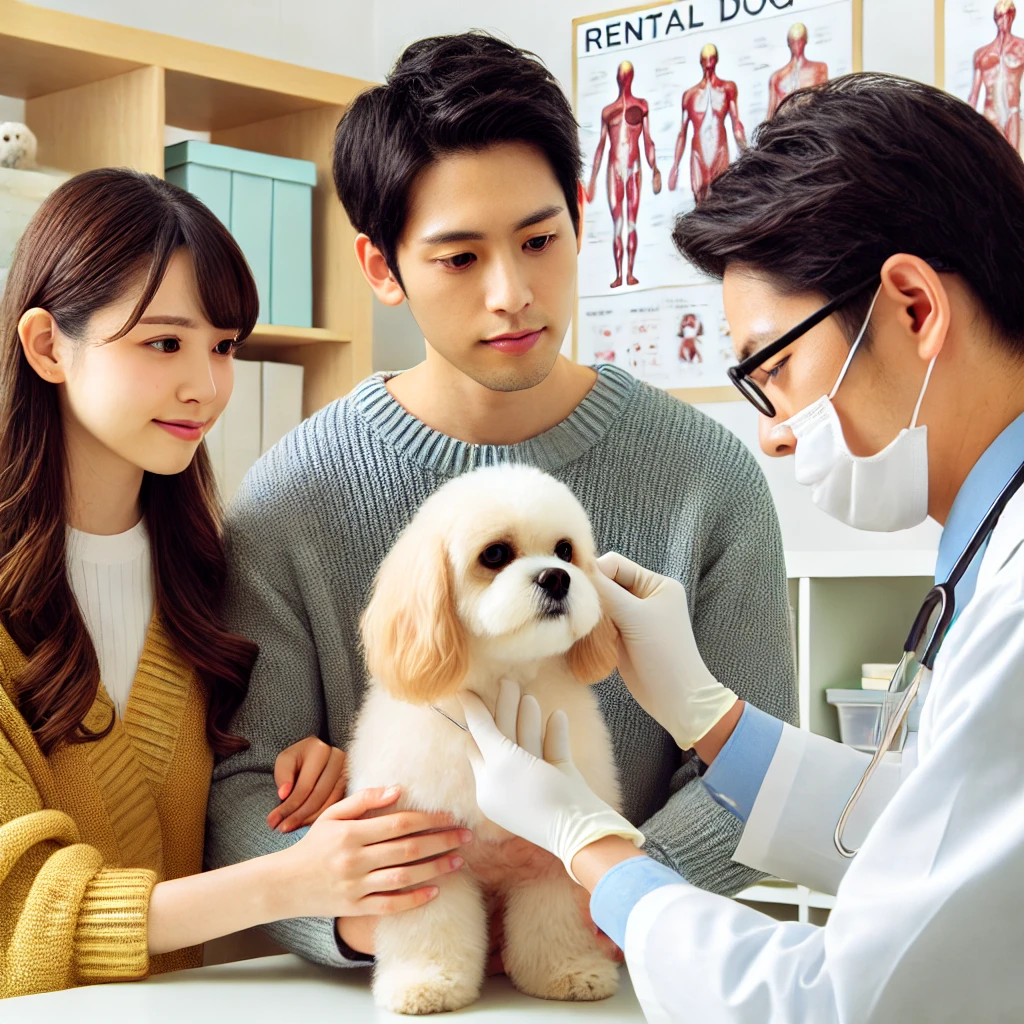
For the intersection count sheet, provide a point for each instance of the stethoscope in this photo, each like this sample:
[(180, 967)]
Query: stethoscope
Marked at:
[(920, 651)]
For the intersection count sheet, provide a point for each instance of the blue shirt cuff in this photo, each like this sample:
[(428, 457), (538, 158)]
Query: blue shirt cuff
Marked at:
[(622, 888), (735, 776)]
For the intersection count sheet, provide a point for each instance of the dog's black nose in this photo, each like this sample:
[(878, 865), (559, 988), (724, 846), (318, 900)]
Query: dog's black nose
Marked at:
[(554, 582)]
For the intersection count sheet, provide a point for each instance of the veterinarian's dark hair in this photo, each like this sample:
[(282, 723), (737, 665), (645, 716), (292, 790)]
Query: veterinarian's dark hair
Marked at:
[(848, 173), (444, 95)]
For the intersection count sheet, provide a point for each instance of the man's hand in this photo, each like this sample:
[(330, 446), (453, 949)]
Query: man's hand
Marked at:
[(658, 656), (310, 777), (358, 933)]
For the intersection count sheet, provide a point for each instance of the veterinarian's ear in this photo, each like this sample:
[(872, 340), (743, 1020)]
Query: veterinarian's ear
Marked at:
[(594, 656), (414, 643)]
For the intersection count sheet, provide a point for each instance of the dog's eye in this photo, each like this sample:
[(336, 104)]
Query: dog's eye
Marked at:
[(497, 556), (563, 550)]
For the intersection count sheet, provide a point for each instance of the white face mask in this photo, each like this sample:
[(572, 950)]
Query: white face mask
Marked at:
[(881, 493)]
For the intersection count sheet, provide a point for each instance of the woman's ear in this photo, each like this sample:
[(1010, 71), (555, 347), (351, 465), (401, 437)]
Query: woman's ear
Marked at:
[(378, 274), (40, 341), (414, 642), (594, 656)]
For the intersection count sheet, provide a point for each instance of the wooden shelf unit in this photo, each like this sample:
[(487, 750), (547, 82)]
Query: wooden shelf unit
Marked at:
[(98, 94)]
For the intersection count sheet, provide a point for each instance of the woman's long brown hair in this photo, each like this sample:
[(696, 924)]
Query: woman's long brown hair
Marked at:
[(96, 239)]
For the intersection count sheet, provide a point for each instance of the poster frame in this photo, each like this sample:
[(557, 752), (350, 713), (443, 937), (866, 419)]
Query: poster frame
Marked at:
[(725, 392)]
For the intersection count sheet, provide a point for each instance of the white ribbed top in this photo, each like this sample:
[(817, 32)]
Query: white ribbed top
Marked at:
[(112, 580)]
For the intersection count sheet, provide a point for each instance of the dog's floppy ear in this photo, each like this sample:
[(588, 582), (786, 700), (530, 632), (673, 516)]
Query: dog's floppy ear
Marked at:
[(594, 656), (414, 643)]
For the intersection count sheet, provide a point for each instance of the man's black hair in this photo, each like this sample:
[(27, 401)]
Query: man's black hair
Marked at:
[(848, 173), (447, 94)]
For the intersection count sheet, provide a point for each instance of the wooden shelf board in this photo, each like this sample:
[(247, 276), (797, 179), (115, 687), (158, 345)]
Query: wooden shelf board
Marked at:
[(265, 335), (208, 87), (881, 562)]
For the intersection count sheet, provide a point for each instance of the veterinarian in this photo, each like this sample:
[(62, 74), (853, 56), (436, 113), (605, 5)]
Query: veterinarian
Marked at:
[(877, 307)]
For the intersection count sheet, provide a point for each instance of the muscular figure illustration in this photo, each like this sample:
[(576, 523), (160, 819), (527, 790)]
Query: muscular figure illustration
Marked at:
[(799, 73), (999, 67), (690, 329), (622, 124), (706, 107)]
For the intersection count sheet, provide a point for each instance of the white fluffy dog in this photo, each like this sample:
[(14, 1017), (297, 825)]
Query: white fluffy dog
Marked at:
[(490, 581)]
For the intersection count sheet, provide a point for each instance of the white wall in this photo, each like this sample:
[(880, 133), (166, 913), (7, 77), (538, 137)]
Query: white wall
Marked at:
[(362, 38), (332, 35), (898, 36)]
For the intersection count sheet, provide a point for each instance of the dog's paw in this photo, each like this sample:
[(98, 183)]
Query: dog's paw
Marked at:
[(419, 988), (581, 979)]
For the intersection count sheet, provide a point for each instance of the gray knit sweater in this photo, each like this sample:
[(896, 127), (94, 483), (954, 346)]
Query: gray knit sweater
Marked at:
[(662, 483)]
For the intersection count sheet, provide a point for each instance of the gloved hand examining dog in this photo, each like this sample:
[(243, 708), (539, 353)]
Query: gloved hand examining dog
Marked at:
[(526, 781)]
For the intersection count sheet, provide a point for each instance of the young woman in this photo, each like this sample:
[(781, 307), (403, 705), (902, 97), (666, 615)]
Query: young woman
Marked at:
[(125, 302)]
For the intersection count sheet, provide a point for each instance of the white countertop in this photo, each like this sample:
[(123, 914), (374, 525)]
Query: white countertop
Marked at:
[(283, 989)]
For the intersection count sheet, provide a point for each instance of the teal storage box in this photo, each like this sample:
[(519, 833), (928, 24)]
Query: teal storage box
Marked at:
[(266, 202)]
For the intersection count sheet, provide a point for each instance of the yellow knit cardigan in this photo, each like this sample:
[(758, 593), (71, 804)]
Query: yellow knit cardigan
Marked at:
[(86, 833)]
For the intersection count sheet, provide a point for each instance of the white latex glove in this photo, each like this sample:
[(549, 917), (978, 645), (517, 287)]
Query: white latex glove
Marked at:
[(658, 656), (532, 788)]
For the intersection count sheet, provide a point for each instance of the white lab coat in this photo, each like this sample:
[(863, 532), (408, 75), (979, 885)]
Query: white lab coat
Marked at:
[(928, 924)]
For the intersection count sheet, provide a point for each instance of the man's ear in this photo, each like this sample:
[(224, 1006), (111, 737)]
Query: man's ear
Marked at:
[(377, 272), (580, 196), (39, 337), (919, 289)]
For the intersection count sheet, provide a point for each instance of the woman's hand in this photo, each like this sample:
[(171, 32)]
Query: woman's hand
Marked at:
[(348, 865), (310, 776), (526, 781), (658, 656)]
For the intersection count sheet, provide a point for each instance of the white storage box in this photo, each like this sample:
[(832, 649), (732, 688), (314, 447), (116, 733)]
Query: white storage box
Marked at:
[(858, 712)]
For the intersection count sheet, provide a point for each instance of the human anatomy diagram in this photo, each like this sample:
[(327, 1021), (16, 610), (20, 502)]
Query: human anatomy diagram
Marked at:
[(670, 93), (623, 123), (690, 331), (706, 106), (998, 69), (799, 73)]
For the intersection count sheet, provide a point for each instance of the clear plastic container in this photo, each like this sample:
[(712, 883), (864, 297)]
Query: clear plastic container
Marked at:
[(858, 712)]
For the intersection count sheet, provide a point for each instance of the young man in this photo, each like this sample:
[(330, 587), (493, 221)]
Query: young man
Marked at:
[(462, 175)]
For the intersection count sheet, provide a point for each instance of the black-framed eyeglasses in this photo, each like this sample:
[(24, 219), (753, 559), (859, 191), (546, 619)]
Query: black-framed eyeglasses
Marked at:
[(740, 374)]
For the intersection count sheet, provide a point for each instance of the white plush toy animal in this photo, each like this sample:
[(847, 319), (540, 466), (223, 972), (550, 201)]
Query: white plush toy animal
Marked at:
[(491, 580), (17, 146)]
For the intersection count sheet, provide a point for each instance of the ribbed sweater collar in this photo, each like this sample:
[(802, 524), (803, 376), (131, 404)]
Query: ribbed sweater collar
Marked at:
[(584, 427)]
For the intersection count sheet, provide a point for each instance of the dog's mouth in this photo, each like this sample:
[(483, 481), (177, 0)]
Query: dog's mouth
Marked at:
[(553, 610)]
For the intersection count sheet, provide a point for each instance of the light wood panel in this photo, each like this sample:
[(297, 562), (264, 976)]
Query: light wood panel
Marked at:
[(727, 393), (208, 104), (329, 369), (117, 122), (29, 68), (82, 50), (342, 302), (266, 335)]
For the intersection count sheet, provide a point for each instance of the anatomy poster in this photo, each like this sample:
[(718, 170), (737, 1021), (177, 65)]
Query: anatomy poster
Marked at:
[(666, 96), (983, 60), (671, 337)]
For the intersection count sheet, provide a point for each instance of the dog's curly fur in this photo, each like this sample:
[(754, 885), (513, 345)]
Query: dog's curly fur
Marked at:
[(439, 621)]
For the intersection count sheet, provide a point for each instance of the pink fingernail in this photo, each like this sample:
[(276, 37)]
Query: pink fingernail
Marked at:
[(457, 863)]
